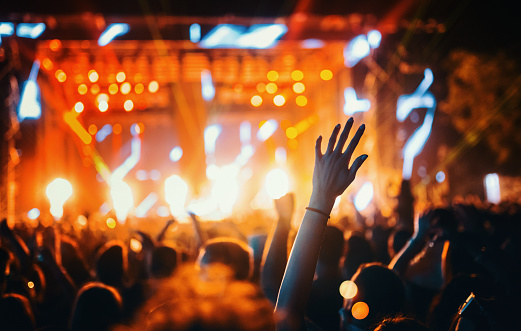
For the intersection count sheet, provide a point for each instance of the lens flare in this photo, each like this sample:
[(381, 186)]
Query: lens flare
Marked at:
[(277, 183), (348, 289)]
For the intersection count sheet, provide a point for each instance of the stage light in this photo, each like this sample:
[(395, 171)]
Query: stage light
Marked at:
[(47, 63), (492, 188), (353, 104), (144, 207), (355, 50), (272, 75), (279, 100), (211, 133), (120, 77), (122, 199), (153, 86), (291, 133), (30, 30), (30, 106), (207, 88), (93, 76), (103, 106), (111, 223), (267, 129), (176, 191), (226, 188), (128, 105), (195, 33), (440, 176), (297, 75), (94, 89), (112, 31), (256, 100), (271, 88), (125, 88), (103, 133), (71, 118), (6, 29), (326, 74), (277, 183), (312, 43), (212, 172), (113, 88), (222, 36), (420, 98), (33, 213), (175, 154), (245, 132), (139, 88), (78, 107), (102, 97), (364, 196), (83, 89), (245, 155), (60, 75), (261, 87), (415, 144), (301, 100), (374, 37), (134, 244), (261, 36), (131, 161), (58, 192), (82, 220), (299, 87)]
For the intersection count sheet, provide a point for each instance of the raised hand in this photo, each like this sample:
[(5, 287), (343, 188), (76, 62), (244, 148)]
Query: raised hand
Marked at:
[(285, 207), (332, 174)]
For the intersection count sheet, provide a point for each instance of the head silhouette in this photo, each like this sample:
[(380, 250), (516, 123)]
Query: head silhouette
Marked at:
[(230, 252)]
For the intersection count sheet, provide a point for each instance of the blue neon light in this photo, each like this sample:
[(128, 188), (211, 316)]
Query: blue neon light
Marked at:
[(30, 30), (374, 37), (207, 88), (195, 33), (30, 105), (353, 104), (111, 32), (238, 36), (356, 49), (105, 131)]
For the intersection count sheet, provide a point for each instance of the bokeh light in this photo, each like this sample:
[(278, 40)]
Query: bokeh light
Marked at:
[(261, 87), (93, 129), (120, 77), (297, 75), (78, 107), (47, 63), (271, 88), (256, 100), (60, 75), (139, 88), (326, 74), (360, 310), (272, 75), (93, 76), (113, 88), (153, 86), (277, 183), (83, 89), (103, 106), (94, 89), (301, 100), (348, 289), (111, 223), (128, 105), (279, 100), (299, 87), (55, 45), (291, 133), (125, 88)]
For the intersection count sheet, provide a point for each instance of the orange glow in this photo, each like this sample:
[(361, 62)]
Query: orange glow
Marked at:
[(272, 75), (111, 78), (60, 75), (284, 124), (128, 105), (301, 100), (256, 100), (326, 74), (292, 144), (111, 223), (113, 89), (117, 128), (78, 78), (297, 75), (87, 150), (299, 87), (291, 133), (138, 77), (94, 89), (47, 63), (360, 310), (238, 88), (279, 100), (78, 107), (93, 76), (93, 129), (83, 89), (348, 289), (55, 45), (103, 106), (120, 77), (125, 88), (271, 88), (30, 284), (140, 127), (139, 88), (261, 87), (153, 86)]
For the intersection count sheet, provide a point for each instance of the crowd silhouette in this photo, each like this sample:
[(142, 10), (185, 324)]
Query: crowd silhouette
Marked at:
[(453, 267)]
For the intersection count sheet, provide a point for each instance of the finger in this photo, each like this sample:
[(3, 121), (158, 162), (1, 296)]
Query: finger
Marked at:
[(354, 142), (318, 148), (343, 137), (332, 139), (356, 165)]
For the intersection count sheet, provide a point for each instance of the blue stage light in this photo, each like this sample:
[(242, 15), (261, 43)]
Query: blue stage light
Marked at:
[(112, 31)]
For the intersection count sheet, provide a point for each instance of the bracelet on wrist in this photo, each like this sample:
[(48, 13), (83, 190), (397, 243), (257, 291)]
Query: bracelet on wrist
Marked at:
[(318, 212)]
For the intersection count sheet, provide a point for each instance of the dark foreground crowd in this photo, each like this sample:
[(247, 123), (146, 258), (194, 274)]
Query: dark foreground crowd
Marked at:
[(449, 268)]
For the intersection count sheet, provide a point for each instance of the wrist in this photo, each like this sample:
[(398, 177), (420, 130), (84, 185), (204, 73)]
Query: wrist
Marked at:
[(321, 202)]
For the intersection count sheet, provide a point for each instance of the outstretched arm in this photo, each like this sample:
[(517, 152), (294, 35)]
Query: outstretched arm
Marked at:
[(331, 177), (276, 254)]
